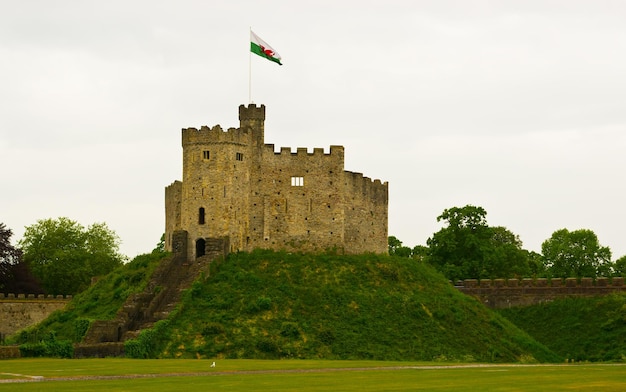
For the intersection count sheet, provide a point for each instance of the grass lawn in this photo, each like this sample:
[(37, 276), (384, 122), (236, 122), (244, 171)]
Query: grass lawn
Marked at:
[(290, 375)]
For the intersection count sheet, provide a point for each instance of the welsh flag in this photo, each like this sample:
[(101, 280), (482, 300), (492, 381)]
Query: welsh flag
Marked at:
[(260, 47)]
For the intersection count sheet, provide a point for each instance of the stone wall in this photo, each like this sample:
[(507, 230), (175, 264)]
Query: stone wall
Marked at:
[(20, 311), (502, 293)]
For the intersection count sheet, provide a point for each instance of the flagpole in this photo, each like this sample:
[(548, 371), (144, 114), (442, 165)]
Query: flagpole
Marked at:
[(249, 70)]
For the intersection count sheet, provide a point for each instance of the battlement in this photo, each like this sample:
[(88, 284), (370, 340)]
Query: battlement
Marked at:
[(252, 112), (504, 293), (174, 184), (542, 282), (32, 297), (208, 135), (334, 151), (366, 185)]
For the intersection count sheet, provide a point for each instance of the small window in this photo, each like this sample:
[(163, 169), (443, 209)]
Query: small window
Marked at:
[(297, 181), (239, 156), (201, 216), (206, 154)]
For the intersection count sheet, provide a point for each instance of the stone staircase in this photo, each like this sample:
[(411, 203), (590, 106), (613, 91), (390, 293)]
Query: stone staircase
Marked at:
[(140, 311)]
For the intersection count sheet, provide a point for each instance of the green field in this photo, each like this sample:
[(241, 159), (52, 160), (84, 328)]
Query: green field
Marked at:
[(301, 375)]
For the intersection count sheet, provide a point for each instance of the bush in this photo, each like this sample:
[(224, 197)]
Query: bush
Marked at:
[(81, 326), (149, 343), (327, 337), (290, 330), (212, 329), (267, 346), (49, 347)]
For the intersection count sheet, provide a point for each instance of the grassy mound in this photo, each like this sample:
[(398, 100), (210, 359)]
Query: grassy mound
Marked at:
[(278, 305), (578, 329)]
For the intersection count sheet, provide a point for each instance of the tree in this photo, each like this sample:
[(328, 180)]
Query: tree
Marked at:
[(575, 254), (9, 256), (396, 248), (468, 248), (536, 265), (620, 266), (65, 256), (160, 246), (8, 253), (420, 252), (15, 277)]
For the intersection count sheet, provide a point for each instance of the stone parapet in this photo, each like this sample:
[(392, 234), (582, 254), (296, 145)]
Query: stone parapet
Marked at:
[(31, 297), (501, 293)]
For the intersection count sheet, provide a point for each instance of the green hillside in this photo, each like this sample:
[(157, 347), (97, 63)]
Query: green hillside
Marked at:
[(279, 305), (578, 329)]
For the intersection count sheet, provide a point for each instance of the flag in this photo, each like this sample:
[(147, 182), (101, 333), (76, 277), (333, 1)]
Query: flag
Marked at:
[(260, 47)]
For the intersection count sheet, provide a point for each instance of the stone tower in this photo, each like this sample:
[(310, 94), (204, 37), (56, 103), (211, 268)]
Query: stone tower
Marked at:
[(238, 188)]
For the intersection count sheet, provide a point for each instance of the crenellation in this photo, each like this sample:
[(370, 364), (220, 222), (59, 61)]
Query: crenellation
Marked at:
[(215, 135), (501, 293), (302, 151), (24, 297), (252, 112)]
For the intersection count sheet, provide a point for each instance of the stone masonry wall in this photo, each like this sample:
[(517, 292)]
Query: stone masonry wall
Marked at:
[(307, 216), (173, 200), (502, 293), (236, 186), (366, 214), (21, 311)]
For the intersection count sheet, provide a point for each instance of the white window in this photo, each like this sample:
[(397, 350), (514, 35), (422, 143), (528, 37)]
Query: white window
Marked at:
[(297, 181)]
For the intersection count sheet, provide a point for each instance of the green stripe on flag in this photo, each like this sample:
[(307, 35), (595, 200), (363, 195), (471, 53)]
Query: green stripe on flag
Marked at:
[(256, 49)]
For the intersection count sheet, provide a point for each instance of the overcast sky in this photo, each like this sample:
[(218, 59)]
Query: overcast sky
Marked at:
[(515, 106)]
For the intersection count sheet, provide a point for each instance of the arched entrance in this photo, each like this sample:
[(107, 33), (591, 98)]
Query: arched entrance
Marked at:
[(200, 247)]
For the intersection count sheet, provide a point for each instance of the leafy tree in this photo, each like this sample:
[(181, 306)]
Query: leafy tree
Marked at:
[(620, 266), (575, 254), (9, 255), (160, 246), (396, 248), (65, 256), (536, 265), (468, 248), (420, 252), (15, 277)]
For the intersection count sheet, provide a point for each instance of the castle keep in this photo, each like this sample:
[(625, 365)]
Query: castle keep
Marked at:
[(238, 189)]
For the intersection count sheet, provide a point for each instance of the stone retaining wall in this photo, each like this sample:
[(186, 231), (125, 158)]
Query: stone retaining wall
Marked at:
[(505, 293)]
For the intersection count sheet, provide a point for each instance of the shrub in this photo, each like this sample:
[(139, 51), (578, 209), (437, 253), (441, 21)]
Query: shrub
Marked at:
[(212, 329), (149, 343), (289, 330), (81, 326), (49, 347), (267, 346), (326, 336)]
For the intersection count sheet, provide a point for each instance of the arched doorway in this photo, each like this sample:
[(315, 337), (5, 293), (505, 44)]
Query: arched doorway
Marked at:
[(200, 247)]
